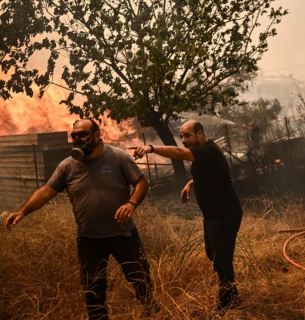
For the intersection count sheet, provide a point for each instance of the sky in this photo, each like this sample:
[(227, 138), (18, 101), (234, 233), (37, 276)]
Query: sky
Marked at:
[(287, 49)]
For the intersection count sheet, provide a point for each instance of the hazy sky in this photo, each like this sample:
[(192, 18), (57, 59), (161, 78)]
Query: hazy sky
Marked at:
[(287, 49)]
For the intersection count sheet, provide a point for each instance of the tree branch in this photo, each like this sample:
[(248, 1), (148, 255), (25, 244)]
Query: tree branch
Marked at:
[(131, 8), (113, 8), (251, 31), (59, 85)]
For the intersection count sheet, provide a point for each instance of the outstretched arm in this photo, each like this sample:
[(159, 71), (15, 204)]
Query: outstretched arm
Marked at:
[(39, 198), (171, 152)]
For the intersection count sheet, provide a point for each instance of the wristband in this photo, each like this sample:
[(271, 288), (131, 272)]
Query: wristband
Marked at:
[(133, 204), (152, 148)]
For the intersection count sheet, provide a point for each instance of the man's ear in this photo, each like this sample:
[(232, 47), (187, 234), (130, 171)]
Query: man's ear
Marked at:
[(200, 134), (97, 136)]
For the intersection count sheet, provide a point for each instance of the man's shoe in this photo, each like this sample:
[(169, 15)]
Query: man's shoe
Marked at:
[(222, 308), (152, 311)]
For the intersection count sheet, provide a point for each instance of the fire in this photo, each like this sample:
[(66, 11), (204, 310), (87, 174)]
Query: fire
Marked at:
[(24, 115)]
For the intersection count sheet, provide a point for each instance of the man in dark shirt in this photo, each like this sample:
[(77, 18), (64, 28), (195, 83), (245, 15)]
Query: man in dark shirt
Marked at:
[(97, 178), (216, 198)]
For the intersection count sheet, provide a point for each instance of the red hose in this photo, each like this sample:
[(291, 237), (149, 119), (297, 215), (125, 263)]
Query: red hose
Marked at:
[(285, 254)]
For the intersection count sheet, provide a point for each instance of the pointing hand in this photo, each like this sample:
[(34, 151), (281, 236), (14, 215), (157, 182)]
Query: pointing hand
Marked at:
[(139, 152)]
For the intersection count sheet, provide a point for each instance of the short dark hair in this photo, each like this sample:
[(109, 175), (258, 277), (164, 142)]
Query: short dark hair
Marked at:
[(198, 127), (94, 126)]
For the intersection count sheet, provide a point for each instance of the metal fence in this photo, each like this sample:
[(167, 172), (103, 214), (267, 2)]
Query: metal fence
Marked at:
[(269, 157), (23, 169), (261, 158), (158, 170), (21, 173)]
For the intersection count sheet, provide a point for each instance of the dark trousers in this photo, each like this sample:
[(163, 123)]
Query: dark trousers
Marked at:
[(128, 251), (220, 239)]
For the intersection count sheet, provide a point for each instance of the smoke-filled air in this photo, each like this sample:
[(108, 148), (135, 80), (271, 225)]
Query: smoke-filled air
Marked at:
[(152, 160)]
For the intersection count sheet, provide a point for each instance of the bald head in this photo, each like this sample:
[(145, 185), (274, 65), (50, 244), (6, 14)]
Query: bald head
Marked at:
[(191, 133), (194, 125), (86, 124)]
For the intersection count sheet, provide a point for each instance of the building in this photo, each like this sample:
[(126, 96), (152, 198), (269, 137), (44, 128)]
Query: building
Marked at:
[(281, 87)]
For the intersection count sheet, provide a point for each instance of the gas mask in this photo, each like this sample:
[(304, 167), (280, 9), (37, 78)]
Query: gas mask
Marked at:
[(82, 148)]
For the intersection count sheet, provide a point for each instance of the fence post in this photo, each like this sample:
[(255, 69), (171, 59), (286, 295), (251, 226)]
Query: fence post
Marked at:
[(289, 145), (35, 162), (156, 170), (229, 149), (148, 167)]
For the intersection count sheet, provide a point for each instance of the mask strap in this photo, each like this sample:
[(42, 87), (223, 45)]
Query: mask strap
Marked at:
[(87, 141), (95, 144)]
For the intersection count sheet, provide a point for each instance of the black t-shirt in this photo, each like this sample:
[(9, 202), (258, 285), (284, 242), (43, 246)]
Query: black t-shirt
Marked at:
[(213, 186)]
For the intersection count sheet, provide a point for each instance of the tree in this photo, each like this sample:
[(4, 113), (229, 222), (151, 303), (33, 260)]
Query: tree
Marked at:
[(297, 106), (259, 112), (300, 103), (155, 58), (254, 121), (255, 127)]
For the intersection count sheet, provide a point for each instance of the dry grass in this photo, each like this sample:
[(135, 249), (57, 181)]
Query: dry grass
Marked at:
[(39, 274)]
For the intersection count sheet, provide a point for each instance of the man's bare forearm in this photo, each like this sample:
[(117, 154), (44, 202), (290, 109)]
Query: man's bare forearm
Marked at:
[(39, 198), (175, 153), (191, 183), (139, 192)]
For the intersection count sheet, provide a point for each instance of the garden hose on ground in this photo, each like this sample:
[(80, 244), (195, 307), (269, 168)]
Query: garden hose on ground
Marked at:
[(285, 246)]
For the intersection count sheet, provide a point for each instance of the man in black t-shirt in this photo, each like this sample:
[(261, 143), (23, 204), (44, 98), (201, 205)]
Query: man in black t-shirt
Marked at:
[(216, 198)]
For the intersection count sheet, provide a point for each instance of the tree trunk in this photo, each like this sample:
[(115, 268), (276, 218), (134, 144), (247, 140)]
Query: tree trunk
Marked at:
[(168, 139)]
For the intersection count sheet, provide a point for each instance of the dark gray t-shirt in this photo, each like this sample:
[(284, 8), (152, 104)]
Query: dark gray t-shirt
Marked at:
[(97, 188)]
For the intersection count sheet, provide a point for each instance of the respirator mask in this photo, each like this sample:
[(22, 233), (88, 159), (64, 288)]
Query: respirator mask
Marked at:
[(82, 148)]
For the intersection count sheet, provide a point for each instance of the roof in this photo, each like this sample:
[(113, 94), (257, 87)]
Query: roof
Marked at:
[(205, 119)]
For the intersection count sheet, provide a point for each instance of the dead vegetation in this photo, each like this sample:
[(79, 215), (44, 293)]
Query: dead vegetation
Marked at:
[(39, 273)]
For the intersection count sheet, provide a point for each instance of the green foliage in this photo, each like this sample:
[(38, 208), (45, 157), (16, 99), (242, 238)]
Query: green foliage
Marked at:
[(254, 123), (300, 101), (156, 58), (255, 113)]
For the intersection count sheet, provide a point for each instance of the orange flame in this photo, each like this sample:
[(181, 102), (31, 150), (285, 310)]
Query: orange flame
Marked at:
[(24, 115)]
